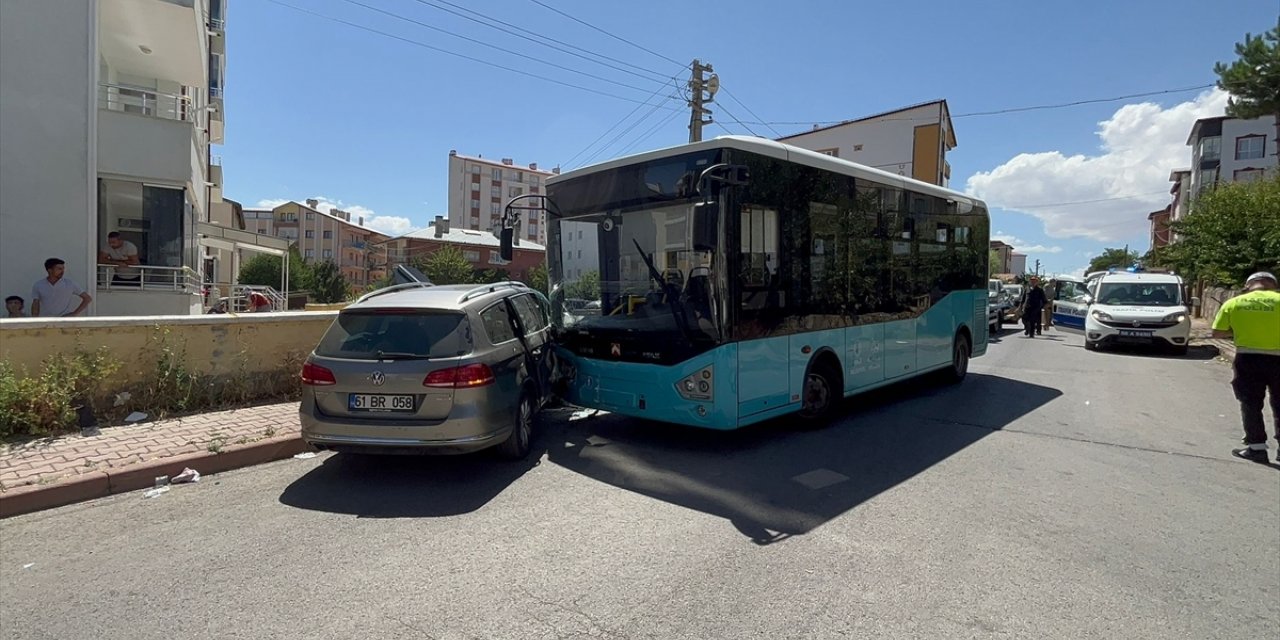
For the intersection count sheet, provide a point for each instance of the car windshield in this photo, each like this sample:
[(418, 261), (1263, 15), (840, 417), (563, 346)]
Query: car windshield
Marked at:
[(1145, 294), (395, 335)]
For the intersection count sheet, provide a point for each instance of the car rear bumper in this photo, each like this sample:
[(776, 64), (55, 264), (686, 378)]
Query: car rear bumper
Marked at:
[(359, 444), (451, 436)]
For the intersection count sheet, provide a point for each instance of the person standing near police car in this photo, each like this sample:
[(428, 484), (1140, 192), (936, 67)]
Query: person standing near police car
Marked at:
[(1252, 321)]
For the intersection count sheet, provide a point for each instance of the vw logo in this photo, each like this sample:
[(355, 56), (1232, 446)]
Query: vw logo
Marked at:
[(1136, 324), (377, 378)]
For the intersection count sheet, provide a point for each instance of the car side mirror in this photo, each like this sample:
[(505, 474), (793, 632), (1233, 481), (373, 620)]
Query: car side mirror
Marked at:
[(506, 243), (1088, 299)]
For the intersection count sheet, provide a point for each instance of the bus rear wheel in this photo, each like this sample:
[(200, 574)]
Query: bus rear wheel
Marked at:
[(960, 351), (821, 392)]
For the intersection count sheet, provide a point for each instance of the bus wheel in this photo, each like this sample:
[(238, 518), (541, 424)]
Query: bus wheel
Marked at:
[(820, 393), (959, 359)]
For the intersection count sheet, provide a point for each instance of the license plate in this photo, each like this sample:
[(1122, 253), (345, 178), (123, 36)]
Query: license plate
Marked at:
[(382, 403), (1129, 333)]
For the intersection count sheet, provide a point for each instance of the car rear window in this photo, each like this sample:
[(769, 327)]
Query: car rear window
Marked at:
[(362, 334)]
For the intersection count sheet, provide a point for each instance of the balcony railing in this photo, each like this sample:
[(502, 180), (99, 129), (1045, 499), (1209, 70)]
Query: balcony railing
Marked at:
[(147, 102), (355, 244), (148, 278)]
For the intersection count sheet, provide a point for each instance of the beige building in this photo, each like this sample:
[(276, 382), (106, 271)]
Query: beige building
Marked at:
[(360, 252), (911, 141), (479, 190)]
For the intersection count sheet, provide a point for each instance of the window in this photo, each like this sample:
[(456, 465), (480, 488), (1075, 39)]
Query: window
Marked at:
[(1211, 148), (311, 253), (310, 233), (471, 255), (515, 191), (1251, 147), (833, 152), (1247, 175), (494, 209), (579, 234), (497, 323), (497, 173), (361, 335), (328, 253), (328, 235), (1206, 178), (475, 186), (495, 191), (530, 313), (155, 219), (475, 204), (262, 230), (311, 216), (518, 176)]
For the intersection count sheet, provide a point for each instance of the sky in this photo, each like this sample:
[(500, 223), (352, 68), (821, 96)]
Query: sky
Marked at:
[(363, 120)]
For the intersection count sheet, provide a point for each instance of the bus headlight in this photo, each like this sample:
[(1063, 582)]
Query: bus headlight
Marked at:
[(699, 385)]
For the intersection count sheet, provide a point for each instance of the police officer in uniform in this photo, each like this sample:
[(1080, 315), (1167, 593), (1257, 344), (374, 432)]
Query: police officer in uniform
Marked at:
[(1252, 321)]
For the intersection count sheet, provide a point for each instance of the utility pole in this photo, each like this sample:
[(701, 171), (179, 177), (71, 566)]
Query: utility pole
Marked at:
[(698, 86), (1037, 267)]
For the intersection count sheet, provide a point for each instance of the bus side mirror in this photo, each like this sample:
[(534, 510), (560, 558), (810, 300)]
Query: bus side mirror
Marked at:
[(705, 227), (506, 247)]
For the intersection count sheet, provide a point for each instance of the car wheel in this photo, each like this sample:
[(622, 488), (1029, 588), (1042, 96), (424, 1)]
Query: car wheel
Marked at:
[(517, 445), (995, 328), (820, 395), (1180, 350), (1090, 345), (960, 351)]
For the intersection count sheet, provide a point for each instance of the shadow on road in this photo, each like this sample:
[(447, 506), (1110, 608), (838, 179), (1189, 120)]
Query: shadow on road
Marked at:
[(772, 481), (408, 486), (1194, 352)]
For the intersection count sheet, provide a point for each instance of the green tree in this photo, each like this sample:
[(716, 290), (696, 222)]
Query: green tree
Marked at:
[(487, 276), (537, 278), (1231, 231), (586, 288), (1253, 80), (328, 285), (446, 266), (1111, 257), (993, 262), (265, 270)]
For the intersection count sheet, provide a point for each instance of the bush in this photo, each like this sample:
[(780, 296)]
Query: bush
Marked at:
[(47, 404)]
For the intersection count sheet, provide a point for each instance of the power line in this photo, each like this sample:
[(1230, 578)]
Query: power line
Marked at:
[(1004, 111), (649, 133), (455, 54), (492, 46), (734, 119), (1067, 204), (545, 44), (726, 91), (622, 134), (615, 37), (615, 126)]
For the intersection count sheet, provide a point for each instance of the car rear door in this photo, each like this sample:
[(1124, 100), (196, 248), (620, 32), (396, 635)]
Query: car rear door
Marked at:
[(535, 329)]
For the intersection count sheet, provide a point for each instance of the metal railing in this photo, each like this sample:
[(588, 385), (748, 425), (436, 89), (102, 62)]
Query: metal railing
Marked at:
[(238, 301), (355, 244), (147, 102), (148, 278)]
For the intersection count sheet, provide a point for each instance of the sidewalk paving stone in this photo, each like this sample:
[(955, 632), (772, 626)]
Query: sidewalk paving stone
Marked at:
[(54, 471)]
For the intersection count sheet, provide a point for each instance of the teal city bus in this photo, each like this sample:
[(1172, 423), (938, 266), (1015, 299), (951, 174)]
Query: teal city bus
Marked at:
[(725, 282)]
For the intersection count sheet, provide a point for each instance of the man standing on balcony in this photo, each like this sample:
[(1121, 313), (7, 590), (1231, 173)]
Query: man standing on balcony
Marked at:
[(123, 255), (54, 295)]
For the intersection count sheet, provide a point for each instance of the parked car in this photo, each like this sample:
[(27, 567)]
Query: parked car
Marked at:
[(1137, 308), (416, 368)]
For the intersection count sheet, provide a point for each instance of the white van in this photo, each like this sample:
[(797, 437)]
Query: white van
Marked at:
[(1137, 308)]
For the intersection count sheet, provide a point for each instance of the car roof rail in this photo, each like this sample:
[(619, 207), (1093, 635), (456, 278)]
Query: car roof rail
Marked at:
[(392, 289), (490, 288)]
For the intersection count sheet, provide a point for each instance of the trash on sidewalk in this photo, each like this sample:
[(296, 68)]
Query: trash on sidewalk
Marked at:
[(122, 398), (188, 475), (305, 455), (136, 416), (156, 492), (28, 565), (584, 413)]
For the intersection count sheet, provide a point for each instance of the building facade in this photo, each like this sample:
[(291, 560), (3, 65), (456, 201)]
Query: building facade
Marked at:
[(480, 248), (1226, 149), (108, 114), (479, 190), (336, 235), (1018, 264), (911, 141), (1161, 234), (1004, 254)]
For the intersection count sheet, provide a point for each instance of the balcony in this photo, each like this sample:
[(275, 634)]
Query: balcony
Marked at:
[(156, 39), (355, 244), (150, 291), (146, 134), (215, 178)]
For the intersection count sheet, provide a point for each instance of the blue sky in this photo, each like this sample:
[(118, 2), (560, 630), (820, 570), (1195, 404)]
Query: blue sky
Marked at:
[(321, 109)]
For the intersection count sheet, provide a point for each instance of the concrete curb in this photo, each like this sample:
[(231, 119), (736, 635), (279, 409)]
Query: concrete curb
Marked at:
[(100, 483)]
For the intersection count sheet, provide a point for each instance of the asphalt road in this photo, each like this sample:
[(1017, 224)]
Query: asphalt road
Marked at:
[(1057, 493)]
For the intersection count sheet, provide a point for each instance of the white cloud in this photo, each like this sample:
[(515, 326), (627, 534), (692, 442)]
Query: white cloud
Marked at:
[(1019, 245), (1141, 144), (390, 225)]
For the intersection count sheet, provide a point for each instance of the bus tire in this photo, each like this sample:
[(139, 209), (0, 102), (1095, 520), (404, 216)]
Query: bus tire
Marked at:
[(960, 352), (822, 392)]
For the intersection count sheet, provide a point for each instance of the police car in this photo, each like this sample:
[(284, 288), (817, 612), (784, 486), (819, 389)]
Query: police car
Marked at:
[(1136, 307)]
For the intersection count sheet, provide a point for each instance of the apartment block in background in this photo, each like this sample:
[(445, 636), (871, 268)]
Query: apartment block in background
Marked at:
[(479, 190), (326, 235), (1226, 149), (911, 141), (1004, 252), (480, 248), (108, 112)]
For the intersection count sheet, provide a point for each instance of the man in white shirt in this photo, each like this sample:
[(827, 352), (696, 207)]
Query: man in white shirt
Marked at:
[(123, 255), (54, 295)]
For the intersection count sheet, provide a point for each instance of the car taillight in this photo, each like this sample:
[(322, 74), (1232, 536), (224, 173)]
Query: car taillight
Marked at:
[(314, 374), (472, 375)]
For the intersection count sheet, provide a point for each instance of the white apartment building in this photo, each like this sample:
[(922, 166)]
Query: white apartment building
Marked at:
[(1181, 192), (579, 248), (479, 190), (108, 110), (912, 141), (1226, 149)]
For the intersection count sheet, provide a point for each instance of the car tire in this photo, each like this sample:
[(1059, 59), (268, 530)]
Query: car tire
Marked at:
[(821, 394), (961, 351), (518, 444), (995, 328), (1180, 350), (1090, 345)]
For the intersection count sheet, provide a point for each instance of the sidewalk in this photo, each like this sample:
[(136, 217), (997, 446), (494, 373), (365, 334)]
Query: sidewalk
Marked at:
[(1202, 332), (56, 471)]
